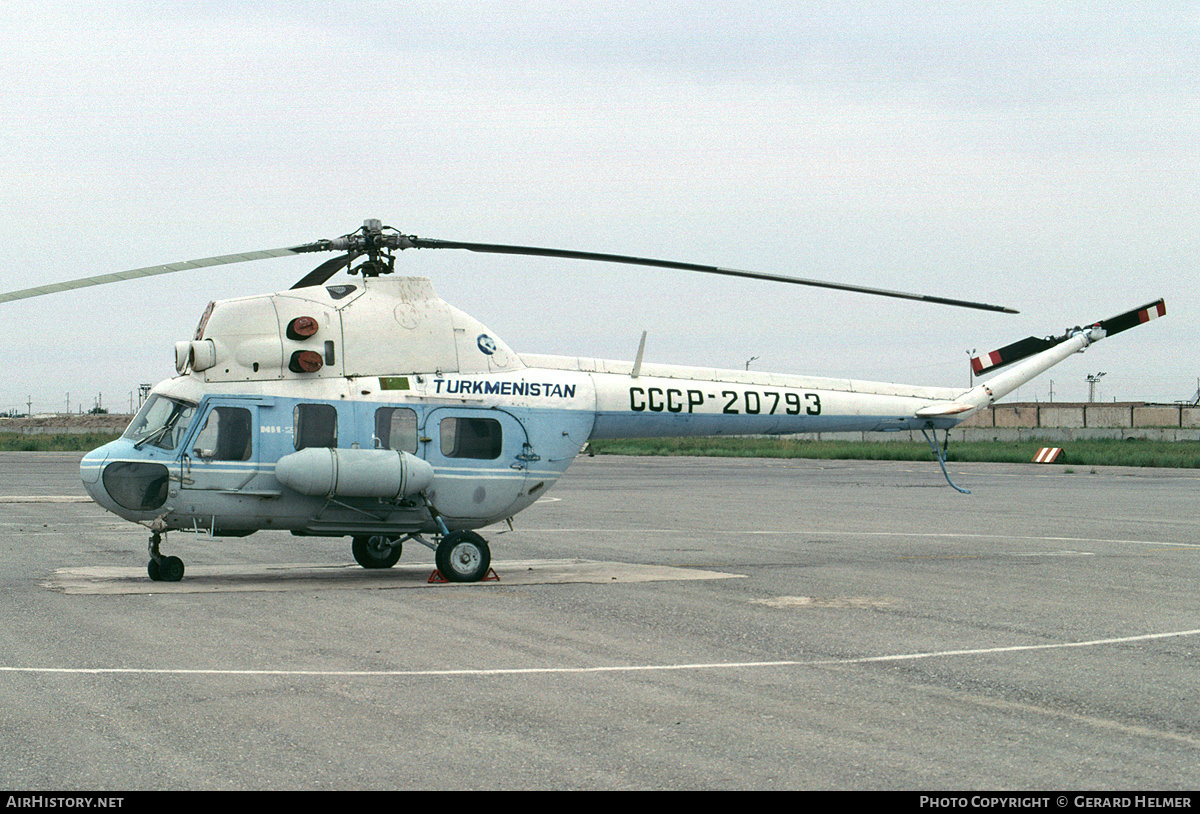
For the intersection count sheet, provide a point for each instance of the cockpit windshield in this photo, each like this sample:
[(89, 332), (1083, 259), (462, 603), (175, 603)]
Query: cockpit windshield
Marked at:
[(162, 422)]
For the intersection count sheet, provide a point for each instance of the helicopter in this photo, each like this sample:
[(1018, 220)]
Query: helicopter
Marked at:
[(373, 409)]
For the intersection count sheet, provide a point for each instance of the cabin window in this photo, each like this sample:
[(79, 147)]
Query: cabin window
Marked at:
[(396, 428), (471, 438), (225, 436), (314, 425)]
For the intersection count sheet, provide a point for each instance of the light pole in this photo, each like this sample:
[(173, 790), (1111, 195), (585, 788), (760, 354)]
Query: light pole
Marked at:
[(1091, 380)]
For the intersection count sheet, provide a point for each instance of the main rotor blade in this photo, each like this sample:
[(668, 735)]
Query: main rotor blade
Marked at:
[(326, 270), (534, 251), (373, 240), (148, 271)]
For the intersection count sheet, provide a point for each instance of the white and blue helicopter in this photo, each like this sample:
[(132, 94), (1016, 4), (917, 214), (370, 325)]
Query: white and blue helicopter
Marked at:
[(373, 409)]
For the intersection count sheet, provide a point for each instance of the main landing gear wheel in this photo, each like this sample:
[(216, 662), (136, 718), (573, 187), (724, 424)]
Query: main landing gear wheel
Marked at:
[(463, 556), (376, 551), (160, 568)]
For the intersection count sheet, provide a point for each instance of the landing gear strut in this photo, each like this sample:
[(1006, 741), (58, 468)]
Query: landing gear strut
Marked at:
[(461, 556), (160, 568)]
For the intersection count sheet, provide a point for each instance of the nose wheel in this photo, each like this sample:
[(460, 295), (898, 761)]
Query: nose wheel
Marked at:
[(160, 568)]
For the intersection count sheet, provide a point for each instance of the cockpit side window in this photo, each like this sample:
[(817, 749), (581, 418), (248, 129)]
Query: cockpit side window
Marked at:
[(225, 436), (315, 425), (162, 422)]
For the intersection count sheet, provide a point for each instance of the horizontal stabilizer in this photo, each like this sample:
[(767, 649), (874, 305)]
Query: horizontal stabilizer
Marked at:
[(944, 408), (1027, 347)]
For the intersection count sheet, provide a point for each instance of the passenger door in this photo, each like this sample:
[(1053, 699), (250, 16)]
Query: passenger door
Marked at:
[(479, 458)]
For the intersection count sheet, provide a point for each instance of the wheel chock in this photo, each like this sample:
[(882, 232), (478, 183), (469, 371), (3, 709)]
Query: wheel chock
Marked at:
[(1049, 455), (436, 577)]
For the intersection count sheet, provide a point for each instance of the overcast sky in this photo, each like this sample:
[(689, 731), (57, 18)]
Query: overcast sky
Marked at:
[(1037, 155)]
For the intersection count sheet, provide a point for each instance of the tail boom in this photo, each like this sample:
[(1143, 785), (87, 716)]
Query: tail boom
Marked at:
[(1032, 357)]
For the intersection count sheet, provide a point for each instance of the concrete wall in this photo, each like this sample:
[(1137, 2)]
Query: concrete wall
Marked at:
[(1110, 415), (1061, 422), (1056, 415), (1014, 415), (1094, 415), (1157, 415)]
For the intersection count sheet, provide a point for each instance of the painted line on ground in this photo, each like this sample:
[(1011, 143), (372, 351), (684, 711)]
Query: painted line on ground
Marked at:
[(628, 668), (45, 499), (821, 533)]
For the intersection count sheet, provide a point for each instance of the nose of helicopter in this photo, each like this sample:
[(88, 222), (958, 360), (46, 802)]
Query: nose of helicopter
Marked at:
[(90, 468), (128, 488)]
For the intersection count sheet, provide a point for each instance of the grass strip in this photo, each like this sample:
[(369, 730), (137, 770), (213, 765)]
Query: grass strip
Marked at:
[(1100, 452), (54, 442)]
